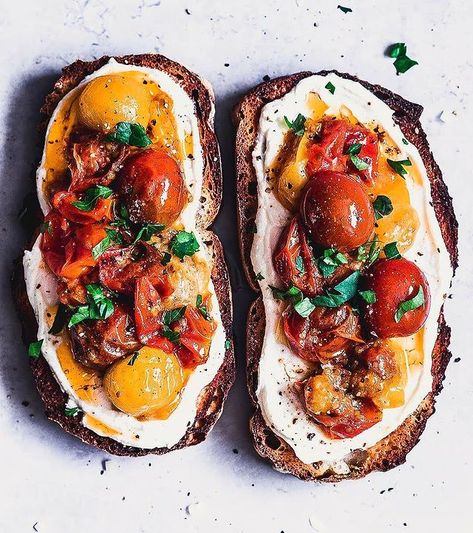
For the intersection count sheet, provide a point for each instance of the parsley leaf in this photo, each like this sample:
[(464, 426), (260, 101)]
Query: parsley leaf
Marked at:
[(359, 163), (228, 344), (330, 261), (409, 305), (297, 125), (330, 87), (201, 307), (398, 166), (402, 63), (147, 231), (112, 237), (171, 335), (345, 9), (129, 133), (98, 306), (304, 308), (34, 349), (184, 243), (166, 258), (172, 316), (369, 252), (300, 265), (382, 206), (341, 293), (391, 251), (259, 277), (91, 196), (353, 149), (71, 411), (293, 293), (368, 296)]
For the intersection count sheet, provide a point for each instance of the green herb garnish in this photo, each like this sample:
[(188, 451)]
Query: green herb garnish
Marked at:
[(201, 307), (171, 335), (132, 360), (369, 252), (358, 163), (330, 87), (60, 320), (228, 344), (293, 293), (353, 149), (71, 411), (391, 251), (98, 306), (300, 265), (345, 9), (330, 261), (112, 237), (174, 315), (259, 277), (297, 125), (382, 206), (184, 243), (131, 134), (341, 293), (402, 62), (409, 305), (147, 231), (368, 296), (91, 196), (166, 258), (398, 166), (46, 227), (304, 308), (34, 349)]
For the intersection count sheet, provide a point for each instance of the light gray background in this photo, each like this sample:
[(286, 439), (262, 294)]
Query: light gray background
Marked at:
[(52, 481)]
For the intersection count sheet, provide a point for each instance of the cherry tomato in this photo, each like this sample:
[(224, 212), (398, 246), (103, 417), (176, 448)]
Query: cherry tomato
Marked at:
[(395, 281), (55, 236), (94, 161), (294, 260), (119, 269), (98, 343), (339, 413), (152, 187), (324, 334), (337, 211), (196, 333), (63, 202), (332, 150)]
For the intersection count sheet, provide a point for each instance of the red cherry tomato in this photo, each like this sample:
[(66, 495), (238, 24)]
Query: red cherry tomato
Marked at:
[(196, 333), (152, 187), (294, 260), (119, 269), (99, 343), (337, 211), (63, 202), (395, 281), (331, 150), (325, 333)]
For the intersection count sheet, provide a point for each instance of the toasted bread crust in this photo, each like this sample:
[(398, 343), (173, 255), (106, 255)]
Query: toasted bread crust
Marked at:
[(212, 397), (392, 450)]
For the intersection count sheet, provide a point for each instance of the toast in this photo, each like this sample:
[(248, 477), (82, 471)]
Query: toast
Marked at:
[(391, 450), (211, 399)]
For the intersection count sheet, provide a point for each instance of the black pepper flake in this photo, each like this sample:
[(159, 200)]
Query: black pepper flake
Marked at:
[(456, 360), (188, 12), (25, 403), (310, 436), (226, 64), (235, 451), (266, 77)]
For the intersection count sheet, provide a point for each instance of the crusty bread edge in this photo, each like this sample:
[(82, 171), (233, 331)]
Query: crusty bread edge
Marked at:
[(213, 396), (392, 450)]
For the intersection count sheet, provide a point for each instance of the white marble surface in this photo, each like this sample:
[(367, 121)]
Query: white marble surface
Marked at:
[(49, 481)]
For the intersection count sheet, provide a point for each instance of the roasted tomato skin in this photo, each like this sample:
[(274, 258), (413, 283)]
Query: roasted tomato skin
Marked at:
[(394, 281), (152, 187), (63, 201), (324, 334), (337, 211), (121, 267), (293, 244), (98, 343), (340, 415), (330, 152)]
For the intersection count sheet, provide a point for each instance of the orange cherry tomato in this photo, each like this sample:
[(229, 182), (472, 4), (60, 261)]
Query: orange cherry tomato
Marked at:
[(152, 187)]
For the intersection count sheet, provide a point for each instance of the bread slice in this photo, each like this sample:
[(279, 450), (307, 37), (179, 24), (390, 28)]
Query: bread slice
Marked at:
[(212, 397), (392, 450)]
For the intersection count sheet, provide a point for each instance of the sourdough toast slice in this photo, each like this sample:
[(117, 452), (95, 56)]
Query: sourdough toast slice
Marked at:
[(212, 397), (392, 450)]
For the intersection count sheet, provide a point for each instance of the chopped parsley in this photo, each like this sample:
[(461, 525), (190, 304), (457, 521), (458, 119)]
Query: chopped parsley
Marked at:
[(71, 411), (368, 296), (201, 307), (409, 305), (402, 63), (132, 360), (369, 252), (391, 251), (166, 258), (98, 307), (259, 276), (228, 344), (184, 243), (344, 9), (147, 231), (329, 262), (297, 125), (60, 320), (34, 349), (398, 166), (382, 206), (358, 163), (171, 335), (131, 134), (300, 265), (353, 149), (293, 293), (330, 87), (341, 293), (112, 237), (91, 196), (304, 308), (174, 315)]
